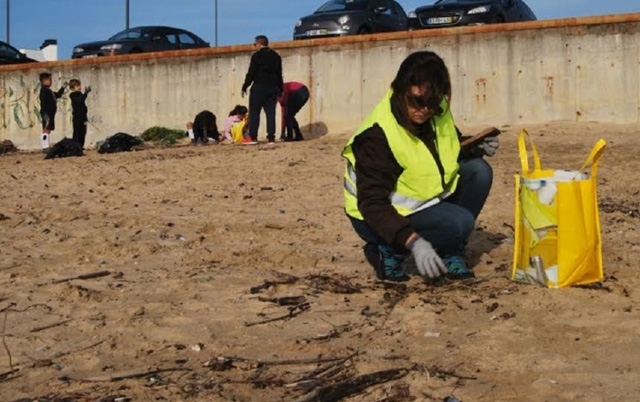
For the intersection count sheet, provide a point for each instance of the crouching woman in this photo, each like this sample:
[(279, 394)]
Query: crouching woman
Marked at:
[(408, 189)]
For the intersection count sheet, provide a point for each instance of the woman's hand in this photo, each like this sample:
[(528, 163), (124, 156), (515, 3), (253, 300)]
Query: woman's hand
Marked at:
[(428, 262), (490, 146)]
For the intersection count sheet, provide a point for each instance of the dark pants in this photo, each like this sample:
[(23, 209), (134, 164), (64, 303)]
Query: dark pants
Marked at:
[(262, 97), (79, 131), (48, 121), (447, 225), (297, 99)]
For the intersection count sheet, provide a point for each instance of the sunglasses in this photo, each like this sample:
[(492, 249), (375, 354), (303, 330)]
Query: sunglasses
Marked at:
[(431, 103)]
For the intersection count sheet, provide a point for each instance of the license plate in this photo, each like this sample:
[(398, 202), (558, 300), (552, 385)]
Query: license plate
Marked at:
[(89, 56), (317, 32), (440, 20)]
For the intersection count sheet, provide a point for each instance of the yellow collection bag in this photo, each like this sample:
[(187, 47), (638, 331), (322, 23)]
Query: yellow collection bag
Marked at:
[(557, 227)]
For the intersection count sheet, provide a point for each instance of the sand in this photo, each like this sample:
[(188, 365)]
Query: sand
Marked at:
[(186, 232)]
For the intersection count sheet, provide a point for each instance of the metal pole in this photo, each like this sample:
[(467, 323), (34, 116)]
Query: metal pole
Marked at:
[(8, 18), (216, 9), (127, 15)]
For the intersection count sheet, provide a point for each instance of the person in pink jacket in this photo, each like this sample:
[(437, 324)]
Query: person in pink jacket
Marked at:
[(294, 96), (236, 115)]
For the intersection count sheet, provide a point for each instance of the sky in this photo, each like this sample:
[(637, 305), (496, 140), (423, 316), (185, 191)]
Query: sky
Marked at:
[(72, 22)]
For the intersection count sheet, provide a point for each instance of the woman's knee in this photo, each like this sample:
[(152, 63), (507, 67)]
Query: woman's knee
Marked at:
[(462, 226), (477, 172)]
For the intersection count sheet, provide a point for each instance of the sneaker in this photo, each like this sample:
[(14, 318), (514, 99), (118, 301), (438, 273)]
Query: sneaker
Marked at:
[(249, 141), (390, 264), (271, 142), (456, 267)]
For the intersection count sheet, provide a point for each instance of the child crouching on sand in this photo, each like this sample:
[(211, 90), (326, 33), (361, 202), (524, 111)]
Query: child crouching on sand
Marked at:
[(203, 128), (236, 116)]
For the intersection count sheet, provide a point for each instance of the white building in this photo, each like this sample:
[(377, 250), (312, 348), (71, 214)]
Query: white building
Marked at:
[(48, 51)]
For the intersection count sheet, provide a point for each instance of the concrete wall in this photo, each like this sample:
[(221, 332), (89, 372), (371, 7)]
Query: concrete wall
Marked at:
[(576, 69)]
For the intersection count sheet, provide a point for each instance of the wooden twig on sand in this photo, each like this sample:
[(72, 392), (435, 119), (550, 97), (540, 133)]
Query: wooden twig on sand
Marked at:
[(130, 374), (281, 279), (7, 375), (90, 275), (294, 311), (303, 361), (442, 373), (57, 324), (4, 341), (352, 386), (284, 301)]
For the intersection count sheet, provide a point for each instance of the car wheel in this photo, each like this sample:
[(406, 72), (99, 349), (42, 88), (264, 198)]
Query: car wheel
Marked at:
[(364, 31), (498, 19)]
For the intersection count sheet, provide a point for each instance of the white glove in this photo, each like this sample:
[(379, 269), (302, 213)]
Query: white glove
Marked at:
[(428, 262), (489, 146)]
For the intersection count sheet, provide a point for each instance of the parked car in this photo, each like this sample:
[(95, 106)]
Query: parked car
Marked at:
[(139, 40), (11, 55), (351, 17), (448, 13)]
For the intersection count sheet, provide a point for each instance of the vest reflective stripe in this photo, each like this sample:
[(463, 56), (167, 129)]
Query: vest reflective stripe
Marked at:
[(417, 205), (420, 185), (350, 188), (396, 198)]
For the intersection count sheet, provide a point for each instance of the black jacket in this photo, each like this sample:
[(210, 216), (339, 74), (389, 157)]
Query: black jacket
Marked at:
[(265, 69), (48, 100), (205, 126), (78, 105)]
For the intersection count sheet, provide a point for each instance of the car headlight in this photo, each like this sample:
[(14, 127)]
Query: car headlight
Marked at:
[(299, 23), (113, 46), (412, 14), (479, 10), (78, 50), (343, 20)]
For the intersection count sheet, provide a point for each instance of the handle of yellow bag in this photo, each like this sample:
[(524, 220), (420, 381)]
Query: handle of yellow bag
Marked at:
[(594, 157), (524, 157)]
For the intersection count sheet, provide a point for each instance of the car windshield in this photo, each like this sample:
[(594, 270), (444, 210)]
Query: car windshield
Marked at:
[(343, 5), (131, 34), (8, 53)]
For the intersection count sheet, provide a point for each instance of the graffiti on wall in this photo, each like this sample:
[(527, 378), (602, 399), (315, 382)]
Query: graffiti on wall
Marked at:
[(20, 104)]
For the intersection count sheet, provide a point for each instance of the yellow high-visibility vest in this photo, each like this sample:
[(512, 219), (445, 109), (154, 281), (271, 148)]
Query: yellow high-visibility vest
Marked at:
[(420, 185)]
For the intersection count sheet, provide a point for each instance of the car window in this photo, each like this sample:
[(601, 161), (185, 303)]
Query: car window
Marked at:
[(8, 53), (398, 10), (171, 38), (186, 39), (131, 34), (343, 5)]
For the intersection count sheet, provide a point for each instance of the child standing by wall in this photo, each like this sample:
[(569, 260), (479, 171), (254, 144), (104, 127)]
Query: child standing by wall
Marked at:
[(79, 109), (48, 107)]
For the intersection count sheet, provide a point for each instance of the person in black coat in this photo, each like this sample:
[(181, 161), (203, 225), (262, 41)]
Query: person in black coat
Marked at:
[(48, 107), (203, 128), (79, 110), (265, 79)]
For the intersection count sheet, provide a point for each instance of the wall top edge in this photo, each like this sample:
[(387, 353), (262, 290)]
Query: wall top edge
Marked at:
[(310, 43)]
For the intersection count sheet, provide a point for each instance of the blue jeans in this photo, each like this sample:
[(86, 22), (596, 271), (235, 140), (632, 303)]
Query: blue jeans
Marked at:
[(447, 225)]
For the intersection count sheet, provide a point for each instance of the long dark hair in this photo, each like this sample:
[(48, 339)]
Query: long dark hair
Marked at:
[(419, 69), (238, 110)]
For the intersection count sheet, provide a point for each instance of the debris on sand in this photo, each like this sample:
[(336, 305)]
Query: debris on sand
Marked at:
[(7, 147)]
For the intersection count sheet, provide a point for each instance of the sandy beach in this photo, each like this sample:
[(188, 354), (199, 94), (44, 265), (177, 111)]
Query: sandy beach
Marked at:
[(188, 234)]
